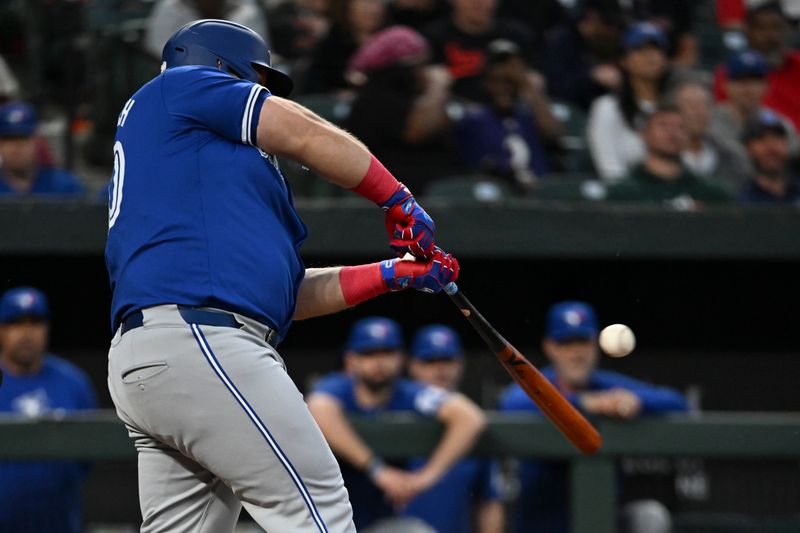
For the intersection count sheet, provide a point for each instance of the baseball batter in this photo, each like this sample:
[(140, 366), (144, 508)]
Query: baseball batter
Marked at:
[(203, 258)]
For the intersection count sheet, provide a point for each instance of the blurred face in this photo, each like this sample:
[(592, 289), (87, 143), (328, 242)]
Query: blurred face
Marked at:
[(503, 81), (366, 16), (665, 134), (770, 153), (603, 38), (746, 94), (376, 370), (18, 154), (647, 62), (444, 373), (767, 33), (573, 359), (475, 12), (694, 103), (23, 343)]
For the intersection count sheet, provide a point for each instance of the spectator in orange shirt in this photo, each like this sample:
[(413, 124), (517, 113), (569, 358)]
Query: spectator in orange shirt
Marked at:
[(767, 29)]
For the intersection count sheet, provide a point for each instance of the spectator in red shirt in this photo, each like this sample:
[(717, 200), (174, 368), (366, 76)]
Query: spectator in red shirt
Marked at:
[(767, 29)]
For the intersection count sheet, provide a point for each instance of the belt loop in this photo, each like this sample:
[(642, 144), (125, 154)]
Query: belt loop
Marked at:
[(272, 337)]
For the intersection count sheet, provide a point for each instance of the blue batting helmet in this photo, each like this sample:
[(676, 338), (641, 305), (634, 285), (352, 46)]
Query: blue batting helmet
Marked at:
[(236, 47)]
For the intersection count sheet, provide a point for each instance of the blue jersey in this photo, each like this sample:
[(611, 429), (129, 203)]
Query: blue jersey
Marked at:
[(447, 506), (43, 496), (198, 215), (367, 500), (48, 182), (542, 505)]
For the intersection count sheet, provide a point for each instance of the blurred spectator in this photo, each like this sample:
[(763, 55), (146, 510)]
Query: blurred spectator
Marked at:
[(703, 155), (9, 86), (372, 385), (506, 137), (570, 344), (169, 15), (745, 85), (418, 13), (437, 359), (38, 496), (20, 170), (732, 13), (674, 17), (768, 30), (354, 21), (615, 119), (460, 43), (773, 181), (662, 177), (296, 26), (399, 112), (540, 18), (580, 59)]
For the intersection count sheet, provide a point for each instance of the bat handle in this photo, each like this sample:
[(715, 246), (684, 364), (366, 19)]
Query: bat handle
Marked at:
[(451, 288)]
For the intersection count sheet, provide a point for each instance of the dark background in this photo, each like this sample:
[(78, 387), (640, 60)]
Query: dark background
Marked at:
[(728, 327)]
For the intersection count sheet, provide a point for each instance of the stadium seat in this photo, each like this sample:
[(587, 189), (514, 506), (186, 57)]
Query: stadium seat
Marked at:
[(478, 188)]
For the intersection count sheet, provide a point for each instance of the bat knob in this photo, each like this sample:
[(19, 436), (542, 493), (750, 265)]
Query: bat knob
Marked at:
[(451, 288)]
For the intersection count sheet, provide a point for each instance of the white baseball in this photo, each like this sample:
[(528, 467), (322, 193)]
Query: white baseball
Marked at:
[(617, 340)]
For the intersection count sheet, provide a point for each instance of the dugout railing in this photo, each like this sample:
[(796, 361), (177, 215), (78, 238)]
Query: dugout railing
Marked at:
[(99, 436)]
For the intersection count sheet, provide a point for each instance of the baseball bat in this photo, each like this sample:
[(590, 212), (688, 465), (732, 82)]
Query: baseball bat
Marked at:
[(563, 414)]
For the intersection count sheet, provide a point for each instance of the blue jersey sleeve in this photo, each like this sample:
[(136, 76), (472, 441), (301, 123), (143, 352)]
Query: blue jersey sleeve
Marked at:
[(209, 98)]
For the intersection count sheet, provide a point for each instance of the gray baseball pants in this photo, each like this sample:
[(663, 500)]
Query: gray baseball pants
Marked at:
[(218, 424)]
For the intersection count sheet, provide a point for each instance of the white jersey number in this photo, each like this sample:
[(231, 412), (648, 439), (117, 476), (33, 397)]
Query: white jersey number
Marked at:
[(117, 181)]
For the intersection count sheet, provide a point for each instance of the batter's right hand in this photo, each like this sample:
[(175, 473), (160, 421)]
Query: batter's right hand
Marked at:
[(429, 275)]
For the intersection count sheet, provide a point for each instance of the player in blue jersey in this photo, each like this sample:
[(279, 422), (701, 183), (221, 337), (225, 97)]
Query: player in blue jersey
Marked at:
[(370, 385), (41, 496), (571, 345), (20, 171), (437, 359), (204, 263)]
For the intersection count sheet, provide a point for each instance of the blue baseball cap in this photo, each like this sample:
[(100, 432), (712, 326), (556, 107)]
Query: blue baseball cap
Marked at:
[(746, 64), (17, 119), (436, 341), (23, 302), (571, 320), (375, 333), (643, 33)]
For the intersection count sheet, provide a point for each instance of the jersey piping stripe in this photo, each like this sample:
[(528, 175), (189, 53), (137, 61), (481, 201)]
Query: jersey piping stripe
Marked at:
[(212, 360), (247, 116)]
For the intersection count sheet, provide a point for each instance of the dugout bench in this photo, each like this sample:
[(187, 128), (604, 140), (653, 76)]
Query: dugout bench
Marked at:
[(100, 436)]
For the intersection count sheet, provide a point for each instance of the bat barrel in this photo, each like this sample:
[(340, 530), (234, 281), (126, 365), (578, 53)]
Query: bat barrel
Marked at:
[(552, 403)]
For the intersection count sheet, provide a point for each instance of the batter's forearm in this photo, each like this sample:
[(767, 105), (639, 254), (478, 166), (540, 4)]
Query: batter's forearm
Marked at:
[(320, 293)]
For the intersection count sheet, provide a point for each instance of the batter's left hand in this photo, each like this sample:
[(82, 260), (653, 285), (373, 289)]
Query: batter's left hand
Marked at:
[(423, 275), (411, 229)]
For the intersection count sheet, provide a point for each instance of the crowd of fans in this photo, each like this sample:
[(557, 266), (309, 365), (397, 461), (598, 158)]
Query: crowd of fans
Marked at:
[(521, 94)]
